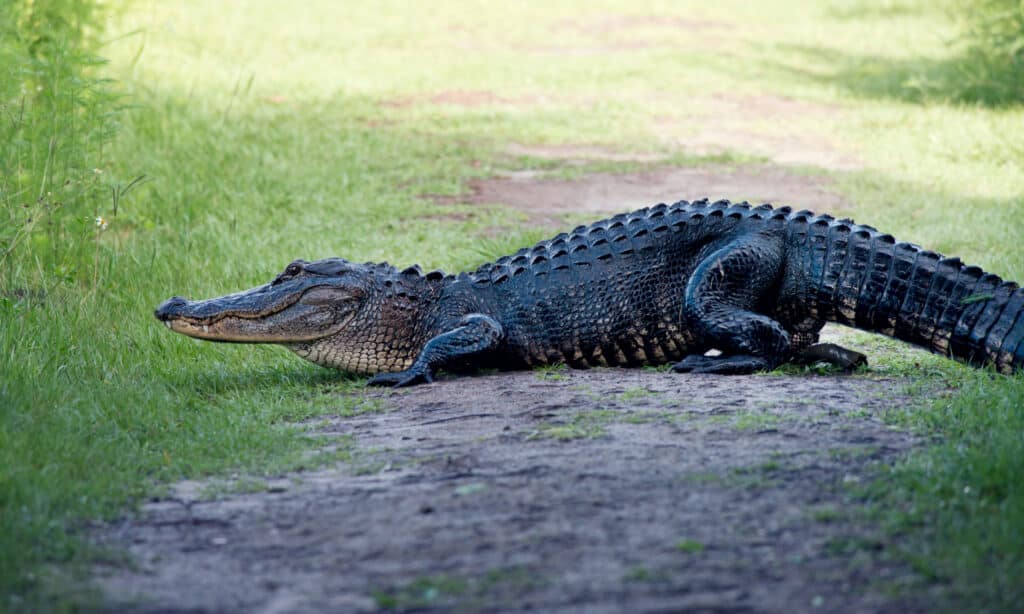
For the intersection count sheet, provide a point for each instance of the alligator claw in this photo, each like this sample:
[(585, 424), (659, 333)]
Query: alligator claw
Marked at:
[(401, 378), (835, 355), (721, 365)]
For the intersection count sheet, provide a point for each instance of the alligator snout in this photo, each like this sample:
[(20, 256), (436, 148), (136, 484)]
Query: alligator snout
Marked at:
[(170, 308)]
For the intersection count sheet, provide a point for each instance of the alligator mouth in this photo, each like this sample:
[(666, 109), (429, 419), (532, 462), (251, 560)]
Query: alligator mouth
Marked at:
[(217, 320), (218, 329)]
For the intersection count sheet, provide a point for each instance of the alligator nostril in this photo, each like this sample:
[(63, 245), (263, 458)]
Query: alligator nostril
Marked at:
[(170, 308)]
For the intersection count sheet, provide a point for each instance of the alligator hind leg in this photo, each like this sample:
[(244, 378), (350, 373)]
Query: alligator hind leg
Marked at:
[(721, 302), (803, 343)]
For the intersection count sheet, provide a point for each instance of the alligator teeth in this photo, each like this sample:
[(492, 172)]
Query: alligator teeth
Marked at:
[(206, 328), (168, 323)]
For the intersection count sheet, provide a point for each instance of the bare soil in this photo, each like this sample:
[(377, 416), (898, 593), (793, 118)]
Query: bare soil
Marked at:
[(545, 201), (583, 491), (602, 25), (464, 98)]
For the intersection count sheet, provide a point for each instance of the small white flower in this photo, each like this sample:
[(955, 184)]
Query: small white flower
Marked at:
[(102, 223), (967, 490), (98, 171)]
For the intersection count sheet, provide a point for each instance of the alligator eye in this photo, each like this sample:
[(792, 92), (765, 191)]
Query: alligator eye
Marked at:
[(293, 269)]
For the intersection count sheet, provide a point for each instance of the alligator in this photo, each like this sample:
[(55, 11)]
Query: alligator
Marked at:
[(664, 284)]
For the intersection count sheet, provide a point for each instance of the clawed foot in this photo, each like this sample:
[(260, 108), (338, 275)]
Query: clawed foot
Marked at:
[(721, 365), (835, 355), (410, 377)]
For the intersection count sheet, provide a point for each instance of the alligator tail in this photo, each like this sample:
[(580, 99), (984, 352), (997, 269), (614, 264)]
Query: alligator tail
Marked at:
[(866, 279)]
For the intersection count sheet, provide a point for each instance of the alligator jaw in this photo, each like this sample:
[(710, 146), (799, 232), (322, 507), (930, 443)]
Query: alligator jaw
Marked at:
[(228, 329), (247, 317)]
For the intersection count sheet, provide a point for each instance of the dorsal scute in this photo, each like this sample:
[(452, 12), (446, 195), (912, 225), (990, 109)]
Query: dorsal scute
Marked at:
[(412, 271), (618, 234), (637, 217)]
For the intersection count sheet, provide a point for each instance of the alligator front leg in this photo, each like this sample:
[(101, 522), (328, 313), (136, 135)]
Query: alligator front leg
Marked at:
[(473, 334), (719, 304)]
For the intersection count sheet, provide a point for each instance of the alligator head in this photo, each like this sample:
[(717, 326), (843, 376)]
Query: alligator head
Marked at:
[(333, 312)]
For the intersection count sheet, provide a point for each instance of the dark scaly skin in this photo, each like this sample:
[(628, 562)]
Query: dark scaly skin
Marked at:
[(660, 285)]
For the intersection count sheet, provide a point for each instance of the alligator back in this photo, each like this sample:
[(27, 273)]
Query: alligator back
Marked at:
[(612, 293)]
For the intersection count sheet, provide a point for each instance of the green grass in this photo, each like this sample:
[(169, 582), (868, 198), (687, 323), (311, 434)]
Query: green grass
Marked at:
[(588, 424), (420, 593), (963, 499), (467, 593), (266, 136), (689, 546)]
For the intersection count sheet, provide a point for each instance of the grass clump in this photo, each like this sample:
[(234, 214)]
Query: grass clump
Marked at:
[(59, 200), (495, 589), (420, 593), (581, 425), (689, 546)]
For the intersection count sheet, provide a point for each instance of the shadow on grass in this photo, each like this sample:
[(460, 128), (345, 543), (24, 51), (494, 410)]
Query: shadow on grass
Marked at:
[(969, 78)]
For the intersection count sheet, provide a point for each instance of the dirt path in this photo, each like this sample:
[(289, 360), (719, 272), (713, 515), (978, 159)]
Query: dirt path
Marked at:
[(545, 200), (593, 491)]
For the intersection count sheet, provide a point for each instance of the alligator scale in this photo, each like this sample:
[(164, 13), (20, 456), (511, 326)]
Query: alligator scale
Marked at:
[(664, 284)]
